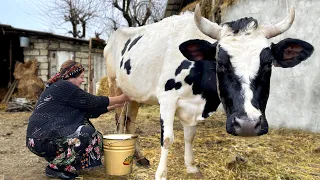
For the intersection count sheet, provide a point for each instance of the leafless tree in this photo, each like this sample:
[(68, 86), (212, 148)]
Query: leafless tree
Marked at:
[(77, 13), (96, 17), (136, 12)]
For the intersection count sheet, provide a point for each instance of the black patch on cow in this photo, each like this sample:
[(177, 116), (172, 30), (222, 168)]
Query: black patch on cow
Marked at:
[(121, 62), (229, 84), (261, 84), (241, 24), (172, 84), (127, 66), (184, 65), (202, 78), (162, 129), (125, 47), (134, 42)]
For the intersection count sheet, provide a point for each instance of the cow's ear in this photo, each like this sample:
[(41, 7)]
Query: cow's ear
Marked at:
[(196, 50), (290, 52)]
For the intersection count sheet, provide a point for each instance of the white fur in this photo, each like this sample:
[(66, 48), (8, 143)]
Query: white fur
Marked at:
[(154, 60)]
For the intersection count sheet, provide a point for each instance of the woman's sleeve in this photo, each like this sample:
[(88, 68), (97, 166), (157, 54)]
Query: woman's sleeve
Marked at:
[(81, 99), (96, 112)]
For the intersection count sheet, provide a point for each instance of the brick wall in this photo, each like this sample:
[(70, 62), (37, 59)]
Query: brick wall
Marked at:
[(40, 49)]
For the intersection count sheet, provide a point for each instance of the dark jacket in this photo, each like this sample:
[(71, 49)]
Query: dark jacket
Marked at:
[(61, 109)]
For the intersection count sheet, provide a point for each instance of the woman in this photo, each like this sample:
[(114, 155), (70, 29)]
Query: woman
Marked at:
[(59, 129)]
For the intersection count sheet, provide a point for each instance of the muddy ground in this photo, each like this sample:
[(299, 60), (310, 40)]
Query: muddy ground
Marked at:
[(282, 154)]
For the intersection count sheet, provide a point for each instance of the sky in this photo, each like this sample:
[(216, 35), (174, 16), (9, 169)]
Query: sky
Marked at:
[(17, 14), (26, 14)]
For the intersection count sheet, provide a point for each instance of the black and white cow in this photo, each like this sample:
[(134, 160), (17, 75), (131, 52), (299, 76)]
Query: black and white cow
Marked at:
[(146, 64)]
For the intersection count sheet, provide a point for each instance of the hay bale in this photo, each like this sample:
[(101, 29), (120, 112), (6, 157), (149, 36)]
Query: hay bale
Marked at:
[(222, 3), (103, 89), (30, 85), (29, 68), (209, 10)]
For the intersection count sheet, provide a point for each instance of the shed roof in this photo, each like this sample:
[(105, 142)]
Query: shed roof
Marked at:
[(10, 30), (175, 6)]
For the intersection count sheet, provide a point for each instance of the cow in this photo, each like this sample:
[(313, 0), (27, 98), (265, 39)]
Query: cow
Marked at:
[(189, 65)]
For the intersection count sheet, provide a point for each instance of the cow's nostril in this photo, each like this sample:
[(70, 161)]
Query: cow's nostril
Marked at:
[(236, 123), (258, 124)]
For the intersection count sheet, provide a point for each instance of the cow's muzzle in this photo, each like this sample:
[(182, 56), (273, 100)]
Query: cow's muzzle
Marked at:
[(245, 126)]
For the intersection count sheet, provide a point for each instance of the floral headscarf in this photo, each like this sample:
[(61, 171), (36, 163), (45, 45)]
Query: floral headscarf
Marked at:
[(72, 72)]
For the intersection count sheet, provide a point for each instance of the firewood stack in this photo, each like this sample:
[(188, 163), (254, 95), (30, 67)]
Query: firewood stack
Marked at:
[(20, 104)]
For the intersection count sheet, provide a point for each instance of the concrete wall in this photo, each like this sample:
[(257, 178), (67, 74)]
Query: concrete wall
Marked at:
[(295, 92), (51, 54)]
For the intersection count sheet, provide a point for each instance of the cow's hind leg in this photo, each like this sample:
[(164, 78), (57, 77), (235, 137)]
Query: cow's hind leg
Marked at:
[(189, 134), (130, 124), (167, 111)]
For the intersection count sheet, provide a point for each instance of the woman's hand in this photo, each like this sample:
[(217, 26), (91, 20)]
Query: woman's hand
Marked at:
[(124, 97), (117, 100), (110, 108)]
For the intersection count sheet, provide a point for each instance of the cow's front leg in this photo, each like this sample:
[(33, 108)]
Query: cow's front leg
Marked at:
[(189, 134), (167, 111)]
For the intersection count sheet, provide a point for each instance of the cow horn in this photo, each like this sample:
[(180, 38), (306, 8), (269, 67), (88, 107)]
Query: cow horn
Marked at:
[(280, 27), (207, 27)]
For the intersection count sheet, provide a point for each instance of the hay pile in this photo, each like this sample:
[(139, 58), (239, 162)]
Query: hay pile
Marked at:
[(103, 87), (211, 11), (30, 85), (222, 3)]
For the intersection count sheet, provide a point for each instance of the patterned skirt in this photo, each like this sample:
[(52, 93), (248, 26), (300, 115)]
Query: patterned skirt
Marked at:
[(80, 150)]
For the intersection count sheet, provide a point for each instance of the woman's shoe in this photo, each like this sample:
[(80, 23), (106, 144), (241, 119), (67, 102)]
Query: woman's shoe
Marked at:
[(54, 173)]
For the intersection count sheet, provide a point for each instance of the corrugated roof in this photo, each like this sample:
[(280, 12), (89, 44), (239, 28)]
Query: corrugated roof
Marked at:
[(175, 6)]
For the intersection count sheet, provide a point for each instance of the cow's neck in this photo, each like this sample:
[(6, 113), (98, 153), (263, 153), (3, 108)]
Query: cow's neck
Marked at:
[(203, 79)]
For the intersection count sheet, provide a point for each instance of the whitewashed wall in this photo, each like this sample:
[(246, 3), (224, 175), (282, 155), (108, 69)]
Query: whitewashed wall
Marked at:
[(295, 92)]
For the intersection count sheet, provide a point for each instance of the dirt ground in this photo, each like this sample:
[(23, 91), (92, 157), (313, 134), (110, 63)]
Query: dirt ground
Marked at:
[(282, 154)]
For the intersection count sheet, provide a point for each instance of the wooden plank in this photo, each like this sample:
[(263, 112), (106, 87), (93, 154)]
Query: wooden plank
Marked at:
[(90, 70), (10, 92)]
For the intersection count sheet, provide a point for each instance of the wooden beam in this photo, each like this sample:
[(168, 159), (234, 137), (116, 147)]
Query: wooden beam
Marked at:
[(90, 71), (10, 64)]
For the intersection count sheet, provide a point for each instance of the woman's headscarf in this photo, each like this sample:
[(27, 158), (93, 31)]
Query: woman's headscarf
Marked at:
[(69, 69)]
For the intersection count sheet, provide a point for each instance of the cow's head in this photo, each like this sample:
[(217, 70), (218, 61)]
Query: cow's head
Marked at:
[(244, 59)]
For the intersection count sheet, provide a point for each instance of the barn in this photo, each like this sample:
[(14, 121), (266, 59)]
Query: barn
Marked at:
[(50, 50)]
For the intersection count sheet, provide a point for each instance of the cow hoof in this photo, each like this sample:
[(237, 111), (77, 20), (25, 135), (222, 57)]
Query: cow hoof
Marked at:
[(143, 162), (192, 169)]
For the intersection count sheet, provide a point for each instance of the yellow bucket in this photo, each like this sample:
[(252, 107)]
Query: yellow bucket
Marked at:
[(118, 153)]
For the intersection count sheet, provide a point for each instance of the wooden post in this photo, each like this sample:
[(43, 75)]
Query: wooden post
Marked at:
[(10, 64), (90, 74)]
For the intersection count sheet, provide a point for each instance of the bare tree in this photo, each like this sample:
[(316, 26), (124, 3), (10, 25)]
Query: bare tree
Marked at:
[(77, 13), (137, 12), (96, 17)]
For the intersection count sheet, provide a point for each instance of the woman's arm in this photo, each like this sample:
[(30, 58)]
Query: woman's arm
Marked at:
[(116, 100), (84, 100)]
